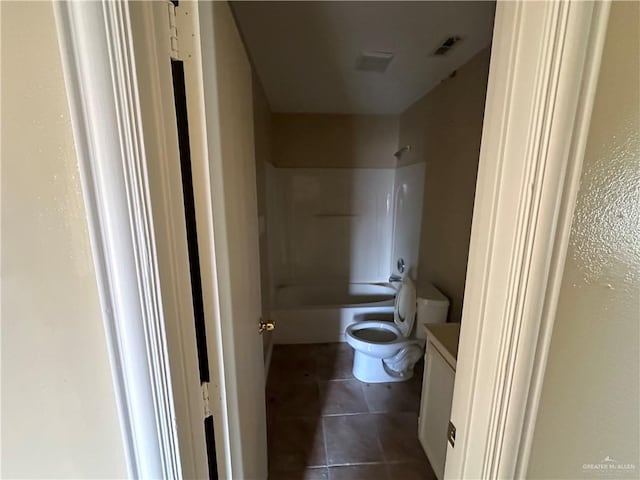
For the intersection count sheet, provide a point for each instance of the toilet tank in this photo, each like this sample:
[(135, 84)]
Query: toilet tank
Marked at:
[(432, 307)]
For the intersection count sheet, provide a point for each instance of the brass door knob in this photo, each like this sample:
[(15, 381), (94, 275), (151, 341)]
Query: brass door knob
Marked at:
[(266, 326)]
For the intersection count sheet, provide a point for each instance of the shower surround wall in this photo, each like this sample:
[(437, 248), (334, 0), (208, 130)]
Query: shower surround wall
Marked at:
[(330, 224), (408, 191), (330, 193), (339, 209)]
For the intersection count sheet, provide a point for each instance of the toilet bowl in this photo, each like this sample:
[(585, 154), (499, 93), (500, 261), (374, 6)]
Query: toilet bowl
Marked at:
[(387, 351)]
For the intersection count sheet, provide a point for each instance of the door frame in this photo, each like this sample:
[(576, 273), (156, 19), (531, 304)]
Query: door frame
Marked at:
[(537, 112), (127, 148), (545, 62), (101, 81)]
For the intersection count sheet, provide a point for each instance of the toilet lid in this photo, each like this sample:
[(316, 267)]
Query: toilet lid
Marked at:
[(404, 314)]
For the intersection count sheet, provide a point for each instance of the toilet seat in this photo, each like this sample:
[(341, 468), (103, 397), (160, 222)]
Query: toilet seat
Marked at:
[(374, 337), (405, 308)]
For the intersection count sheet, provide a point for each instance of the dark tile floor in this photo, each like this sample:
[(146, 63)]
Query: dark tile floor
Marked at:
[(325, 424)]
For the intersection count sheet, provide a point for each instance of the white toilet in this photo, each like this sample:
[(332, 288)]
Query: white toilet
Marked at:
[(387, 351)]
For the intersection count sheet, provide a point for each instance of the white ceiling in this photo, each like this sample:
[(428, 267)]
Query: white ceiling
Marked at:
[(305, 53)]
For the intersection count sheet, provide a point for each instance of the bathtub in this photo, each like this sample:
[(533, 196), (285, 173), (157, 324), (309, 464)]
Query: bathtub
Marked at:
[(321, 313)]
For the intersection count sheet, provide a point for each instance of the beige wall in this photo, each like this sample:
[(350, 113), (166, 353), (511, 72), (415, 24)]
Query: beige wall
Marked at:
[(59, 416), (327, 140), (591, 392), (444, 129)]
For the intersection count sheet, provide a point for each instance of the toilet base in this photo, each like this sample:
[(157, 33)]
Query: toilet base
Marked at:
[(371, 370)]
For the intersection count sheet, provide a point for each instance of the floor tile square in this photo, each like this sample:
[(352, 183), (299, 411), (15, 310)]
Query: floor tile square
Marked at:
[(316, 473), (335, 362), (293, 363), (398, 433), (392, 397), (299, 399), (296, 443), (410, 471), (342, 396), (359, 472), (352, 439)]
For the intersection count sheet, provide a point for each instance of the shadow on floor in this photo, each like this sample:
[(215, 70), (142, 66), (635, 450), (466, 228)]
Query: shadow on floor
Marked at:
[(325, 424)]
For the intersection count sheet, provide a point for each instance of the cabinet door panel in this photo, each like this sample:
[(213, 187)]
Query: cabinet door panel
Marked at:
[(435, 410)]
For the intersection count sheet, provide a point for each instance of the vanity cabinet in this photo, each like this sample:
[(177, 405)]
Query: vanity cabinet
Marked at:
[(437, 392)]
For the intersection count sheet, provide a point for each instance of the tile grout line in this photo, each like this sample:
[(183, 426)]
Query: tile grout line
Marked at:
[(326, 451), (324, 429), (361, 464)]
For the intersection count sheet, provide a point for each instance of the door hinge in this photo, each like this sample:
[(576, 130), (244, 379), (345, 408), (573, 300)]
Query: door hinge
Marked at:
[(451, 433), (205, 399), (173, 30)]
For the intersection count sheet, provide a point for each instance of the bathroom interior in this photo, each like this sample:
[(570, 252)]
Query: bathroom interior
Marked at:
[(367, 126)]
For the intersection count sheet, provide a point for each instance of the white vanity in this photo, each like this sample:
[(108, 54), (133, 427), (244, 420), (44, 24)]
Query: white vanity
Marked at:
[(437, 391)]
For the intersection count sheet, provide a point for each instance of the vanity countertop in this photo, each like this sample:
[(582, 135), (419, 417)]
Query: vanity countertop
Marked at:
[(445, 337)]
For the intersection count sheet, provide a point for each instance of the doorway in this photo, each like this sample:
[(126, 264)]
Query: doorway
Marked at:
[(366, 170), (500, 222)]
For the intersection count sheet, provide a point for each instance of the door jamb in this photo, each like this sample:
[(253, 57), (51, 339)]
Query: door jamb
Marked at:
[(544, 69), (100, 77), (219, 323)]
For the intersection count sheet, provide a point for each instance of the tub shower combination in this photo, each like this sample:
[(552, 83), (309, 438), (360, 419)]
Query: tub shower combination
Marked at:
[(321, 313)]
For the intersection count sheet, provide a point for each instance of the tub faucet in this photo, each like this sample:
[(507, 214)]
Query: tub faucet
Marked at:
[(395, 278)]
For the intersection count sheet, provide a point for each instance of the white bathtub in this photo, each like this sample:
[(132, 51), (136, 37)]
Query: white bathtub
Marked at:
[(321, 313)]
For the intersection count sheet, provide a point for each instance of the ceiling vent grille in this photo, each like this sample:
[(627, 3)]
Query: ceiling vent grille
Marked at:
[(374, 61), (447, 45)]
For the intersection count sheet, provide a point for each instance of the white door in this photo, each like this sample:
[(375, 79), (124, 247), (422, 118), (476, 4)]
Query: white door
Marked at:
[(221, 119), (117, 62)]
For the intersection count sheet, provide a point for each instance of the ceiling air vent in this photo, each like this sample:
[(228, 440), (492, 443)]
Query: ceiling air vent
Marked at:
[(374, 61), (447, 45)]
